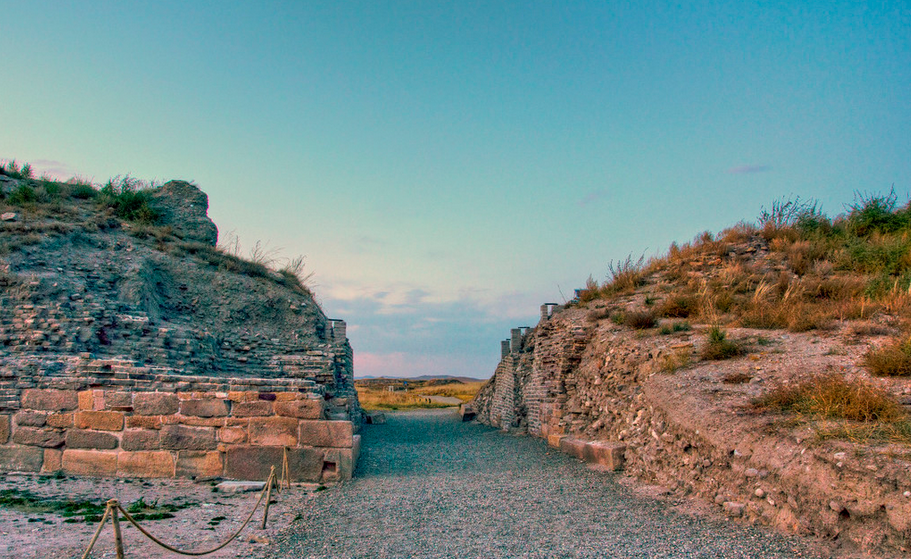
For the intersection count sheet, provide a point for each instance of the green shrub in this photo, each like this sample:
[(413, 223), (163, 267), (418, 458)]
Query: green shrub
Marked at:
[(24, 194), (82, 190), (11, 169), (719, 347), (129, 201), (679, 326), (872, 213)]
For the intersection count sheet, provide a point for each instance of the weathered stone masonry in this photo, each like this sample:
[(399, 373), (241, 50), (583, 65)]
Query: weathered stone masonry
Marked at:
[(113, 419), (123, 355)]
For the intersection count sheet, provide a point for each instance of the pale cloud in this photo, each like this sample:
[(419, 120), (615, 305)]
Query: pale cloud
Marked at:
[(408, 330), (592, 197), (748, 169), (400, 364), (55, 169)]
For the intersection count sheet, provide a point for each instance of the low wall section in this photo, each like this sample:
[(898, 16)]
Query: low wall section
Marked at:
[(175, 426)]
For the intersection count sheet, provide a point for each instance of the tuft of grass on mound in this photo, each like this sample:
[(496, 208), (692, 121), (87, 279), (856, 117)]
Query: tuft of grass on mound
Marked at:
[(893, 359), (834, 397)]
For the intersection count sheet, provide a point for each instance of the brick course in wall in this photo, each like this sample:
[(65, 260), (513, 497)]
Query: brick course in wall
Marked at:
[(162, 426)]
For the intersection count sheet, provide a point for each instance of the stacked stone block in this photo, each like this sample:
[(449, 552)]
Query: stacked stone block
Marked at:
[(235, 434)]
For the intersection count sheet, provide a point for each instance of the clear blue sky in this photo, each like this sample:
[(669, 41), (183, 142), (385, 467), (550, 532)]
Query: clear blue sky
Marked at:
[(448, 166)]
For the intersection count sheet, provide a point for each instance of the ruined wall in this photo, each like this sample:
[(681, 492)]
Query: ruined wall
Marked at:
[(99, 315), (598, 391), (114, 420)]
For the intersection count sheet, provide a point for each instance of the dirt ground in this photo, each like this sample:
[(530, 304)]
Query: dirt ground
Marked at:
[(39, 535)]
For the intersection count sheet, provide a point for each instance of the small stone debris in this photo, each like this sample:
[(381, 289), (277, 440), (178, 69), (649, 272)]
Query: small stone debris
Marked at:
[(240, 486)]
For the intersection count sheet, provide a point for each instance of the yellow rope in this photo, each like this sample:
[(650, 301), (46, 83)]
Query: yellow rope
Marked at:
[(197, 553), (104, 518)]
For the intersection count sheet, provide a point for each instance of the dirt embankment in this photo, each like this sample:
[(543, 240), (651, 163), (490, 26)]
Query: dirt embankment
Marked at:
[(688, 424)]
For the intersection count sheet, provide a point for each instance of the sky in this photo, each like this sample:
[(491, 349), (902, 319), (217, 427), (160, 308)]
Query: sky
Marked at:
[(446, 167)]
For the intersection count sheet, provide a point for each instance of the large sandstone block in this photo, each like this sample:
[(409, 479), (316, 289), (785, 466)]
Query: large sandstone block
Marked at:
[(338, 434), (253, 463), (182, 437), (273, 431), (118, 400), (199, 463), (101, 420), (301, 409), (356, 448), (554, 440), (87, 400), (53, 460), (607, 454), (39, 436), (338, 464), (97, 463), (144, 422), (4, 429), (21, 458), (28, 418), (60, 420), (140, 439), (145, 463), (207, 407), (49, 399), (232, 435), (79, 438), (155, 403), (573, 447), (258, 408)]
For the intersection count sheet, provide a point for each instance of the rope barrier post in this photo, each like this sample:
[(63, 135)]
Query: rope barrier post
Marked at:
[(113, 505), (269, 483), (286, 472), (104, 519)]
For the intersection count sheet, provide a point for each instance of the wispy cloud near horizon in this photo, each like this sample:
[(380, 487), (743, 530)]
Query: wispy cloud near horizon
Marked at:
[(749, 169), (592, 197)]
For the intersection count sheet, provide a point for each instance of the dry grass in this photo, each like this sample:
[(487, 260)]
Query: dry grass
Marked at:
[(676, 360), (719, 347), (832, 396), (679, 306), (798, 270), (464, 391), (893, 359), (373, 393), (640, 320), (371, 399)]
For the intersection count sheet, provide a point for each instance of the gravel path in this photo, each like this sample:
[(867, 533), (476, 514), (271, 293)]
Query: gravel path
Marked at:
[(430, 486)]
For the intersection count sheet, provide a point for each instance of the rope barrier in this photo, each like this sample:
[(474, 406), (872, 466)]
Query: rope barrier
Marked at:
[(113, 507)]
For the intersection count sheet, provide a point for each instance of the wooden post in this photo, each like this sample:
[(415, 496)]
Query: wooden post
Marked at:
[(118, 539), (269, 483)]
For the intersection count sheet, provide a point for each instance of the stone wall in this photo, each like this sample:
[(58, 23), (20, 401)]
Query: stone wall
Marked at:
[(601, 392), (142, 425), (98, 315)]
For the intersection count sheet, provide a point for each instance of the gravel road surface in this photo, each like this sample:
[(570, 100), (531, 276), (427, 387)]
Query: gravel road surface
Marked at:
[(430, 486)]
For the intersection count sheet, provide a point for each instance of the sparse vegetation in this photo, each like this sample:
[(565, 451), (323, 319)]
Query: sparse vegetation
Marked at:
[(375, 394), (674, 327), (676, 360), (893, 359), (718, 346), (12, 169), (835, 397), (796, 269), (129, 199), (640, 320)]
